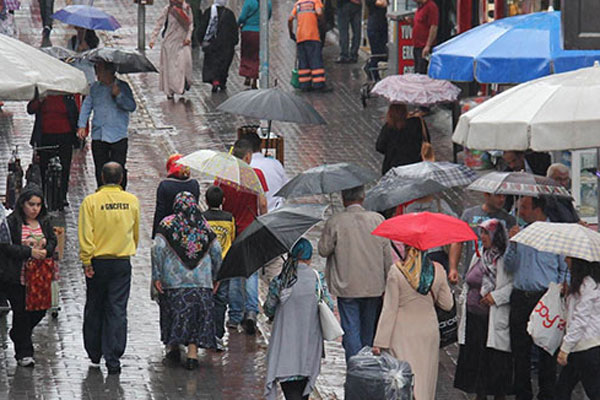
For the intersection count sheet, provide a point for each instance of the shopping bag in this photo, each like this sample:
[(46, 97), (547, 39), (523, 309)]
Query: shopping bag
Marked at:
[(330, 327), (38, 284), (295, 82), (547, 321)]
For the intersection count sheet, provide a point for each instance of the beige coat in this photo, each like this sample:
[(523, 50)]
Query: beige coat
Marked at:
[(408, 327), (357, 261)]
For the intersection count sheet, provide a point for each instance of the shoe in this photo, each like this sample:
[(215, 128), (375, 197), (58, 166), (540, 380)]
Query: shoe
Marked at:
[(223, 87), (173, 355), (232, 325), (192, 364), (215, 88), (249, 323), (342, 60), (114, 370), (65, 203), (95, 364), (26, 362), (170, 97), (220, 345), (247, 82), (46, 37)]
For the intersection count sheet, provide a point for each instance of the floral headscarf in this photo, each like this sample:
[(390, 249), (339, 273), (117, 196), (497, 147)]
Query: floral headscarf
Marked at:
[(489, 257), (186, 230)]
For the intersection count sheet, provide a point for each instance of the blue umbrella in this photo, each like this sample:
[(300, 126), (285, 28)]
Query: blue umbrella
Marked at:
[(87, 17), (509, 50)]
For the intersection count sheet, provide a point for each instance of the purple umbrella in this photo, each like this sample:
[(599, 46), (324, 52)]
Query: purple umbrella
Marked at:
[(87, 17)]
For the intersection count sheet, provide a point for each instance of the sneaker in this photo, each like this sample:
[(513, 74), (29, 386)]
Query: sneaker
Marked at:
[(249, 323), (26, 362), (220, 344)]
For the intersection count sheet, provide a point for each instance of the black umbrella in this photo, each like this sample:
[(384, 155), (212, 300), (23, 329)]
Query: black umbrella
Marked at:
[(59, 52), (268, 237), (391, 192), (127, 61), (325, 179)]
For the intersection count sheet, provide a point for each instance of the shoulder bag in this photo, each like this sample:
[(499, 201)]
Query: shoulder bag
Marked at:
[(447, 323), (330, 326)]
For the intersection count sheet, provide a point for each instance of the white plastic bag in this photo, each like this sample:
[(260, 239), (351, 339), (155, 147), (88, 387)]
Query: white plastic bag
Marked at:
[(548, 320)]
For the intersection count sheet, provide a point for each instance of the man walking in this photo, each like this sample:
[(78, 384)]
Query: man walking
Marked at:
[(356, 270), (349, 15), (108, 237), (46, 11), (112, 101), (425, 27)]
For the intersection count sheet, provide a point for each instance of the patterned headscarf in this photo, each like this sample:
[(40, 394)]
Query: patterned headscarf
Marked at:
[(178, 10), (489, 257), (177, 170), (418, 269), (302, 250), (186, 230)]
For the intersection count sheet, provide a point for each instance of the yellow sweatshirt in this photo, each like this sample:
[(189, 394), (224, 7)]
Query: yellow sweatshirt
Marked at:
[(109, 222)]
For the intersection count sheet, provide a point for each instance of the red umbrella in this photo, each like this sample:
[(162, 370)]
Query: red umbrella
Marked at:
[(425, 230)]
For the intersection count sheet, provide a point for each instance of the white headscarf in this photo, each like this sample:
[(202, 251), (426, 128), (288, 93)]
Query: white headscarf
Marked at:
[(211, 30)]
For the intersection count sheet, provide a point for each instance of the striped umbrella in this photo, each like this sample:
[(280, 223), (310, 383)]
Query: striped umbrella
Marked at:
[(444, 173), (570, 240), (518, 184)]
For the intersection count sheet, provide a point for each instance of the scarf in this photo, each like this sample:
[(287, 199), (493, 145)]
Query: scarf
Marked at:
[(211, 30), (288, 277), (177, 11), (417, 269), (177, 170), (186, 231), (489, 257)]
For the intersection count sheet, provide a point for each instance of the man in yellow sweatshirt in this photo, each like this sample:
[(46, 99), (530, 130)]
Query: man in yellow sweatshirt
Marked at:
[(108, 237)]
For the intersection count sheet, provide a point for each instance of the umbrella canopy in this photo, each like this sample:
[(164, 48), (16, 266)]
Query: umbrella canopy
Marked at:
[(425, 230), (58, 52), (269, 236), (25, 68), (557, 112), (272, 104), (327, 178), (415, 89), (391, 192), (224, 168), (445, 173), (518, 184), (571, 240), (127, 61), (508, 50), (87, 17)]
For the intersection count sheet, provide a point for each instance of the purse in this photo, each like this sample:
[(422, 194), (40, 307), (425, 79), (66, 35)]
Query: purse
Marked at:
[(447, 324), (330, 326)]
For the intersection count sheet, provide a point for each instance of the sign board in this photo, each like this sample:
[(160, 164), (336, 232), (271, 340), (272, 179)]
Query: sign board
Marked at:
[(580, 26), (406, 62)]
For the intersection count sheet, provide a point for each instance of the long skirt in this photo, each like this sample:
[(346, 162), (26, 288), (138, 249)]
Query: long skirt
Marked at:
[(250, 51), (482, 370), (187, 317)]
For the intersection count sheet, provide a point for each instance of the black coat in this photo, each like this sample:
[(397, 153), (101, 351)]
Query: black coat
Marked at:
[(165, 195), (401, 147), (13, 255), (218, 54)]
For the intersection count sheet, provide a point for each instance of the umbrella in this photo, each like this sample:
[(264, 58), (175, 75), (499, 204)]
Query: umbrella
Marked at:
[(518, 184), (443, 172), (59, 52), (87, 17), (425, 230), (327, 178), (571, 240), (557, 112), (415, 89), (224, 168), (25, 68), (272, 104), (391, 192), (269, 236), (127, 61), (508, 50)]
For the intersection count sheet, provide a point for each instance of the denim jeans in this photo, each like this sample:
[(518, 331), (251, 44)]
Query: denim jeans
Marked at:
[(359, 318), (46, 11), (349, 15), (221, 298), (378, 41), (243, 297)]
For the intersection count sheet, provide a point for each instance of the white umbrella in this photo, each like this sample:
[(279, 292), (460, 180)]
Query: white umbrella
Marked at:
[(557, 112), (25, 68), (415, 89)]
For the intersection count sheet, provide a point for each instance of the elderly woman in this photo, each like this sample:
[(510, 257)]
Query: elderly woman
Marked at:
[(408, 325), (296, 345), (185, 260), (484, 361)]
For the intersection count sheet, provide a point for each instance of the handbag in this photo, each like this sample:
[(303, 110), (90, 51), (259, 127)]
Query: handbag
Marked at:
[(447, 324), (330, 326), (547, 321)]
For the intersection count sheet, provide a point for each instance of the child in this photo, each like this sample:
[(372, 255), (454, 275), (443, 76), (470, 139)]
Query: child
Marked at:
[(223, 224)]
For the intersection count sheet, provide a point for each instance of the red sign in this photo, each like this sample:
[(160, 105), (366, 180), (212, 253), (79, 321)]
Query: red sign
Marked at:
[(406, 62)]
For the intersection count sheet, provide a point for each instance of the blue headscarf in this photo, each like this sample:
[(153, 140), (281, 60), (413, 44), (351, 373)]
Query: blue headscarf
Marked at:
[(302, 250)]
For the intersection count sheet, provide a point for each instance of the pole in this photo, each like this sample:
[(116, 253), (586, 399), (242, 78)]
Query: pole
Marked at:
[(141, 25), (264, 43)]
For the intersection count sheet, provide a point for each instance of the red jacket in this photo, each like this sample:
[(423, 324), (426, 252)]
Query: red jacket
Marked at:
[(53, 113)]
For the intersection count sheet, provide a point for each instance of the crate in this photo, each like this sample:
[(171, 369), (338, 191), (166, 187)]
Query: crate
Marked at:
[(273, 146)]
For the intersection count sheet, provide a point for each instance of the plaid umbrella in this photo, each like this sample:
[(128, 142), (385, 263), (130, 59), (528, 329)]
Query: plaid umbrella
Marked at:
[(444, 173), (571, 240), (519, 184), (224, 168)]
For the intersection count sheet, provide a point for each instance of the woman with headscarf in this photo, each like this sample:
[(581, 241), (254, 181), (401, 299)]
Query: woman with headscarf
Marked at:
[(249, 22), (218, 33), (296, 345), (185, 261), (484, 361), (408, 325), (176, 51), (178, 180)]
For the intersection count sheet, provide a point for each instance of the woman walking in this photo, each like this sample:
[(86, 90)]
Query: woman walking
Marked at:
[(249, 22), (580, 349), (296, 346), (27, 270), (408, 325), (176, 51), (218, 33), (185, 260), (484, 360)]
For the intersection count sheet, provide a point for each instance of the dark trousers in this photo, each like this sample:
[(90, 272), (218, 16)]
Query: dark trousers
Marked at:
[(349, 15), (582, 366), (521, 306), (311, 72), (292, 390), (46, 11), (221, 298), (378, 41), (421, 64), (104, 152), (64, 141), (358, 317), (23, 321), (105, 314)]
